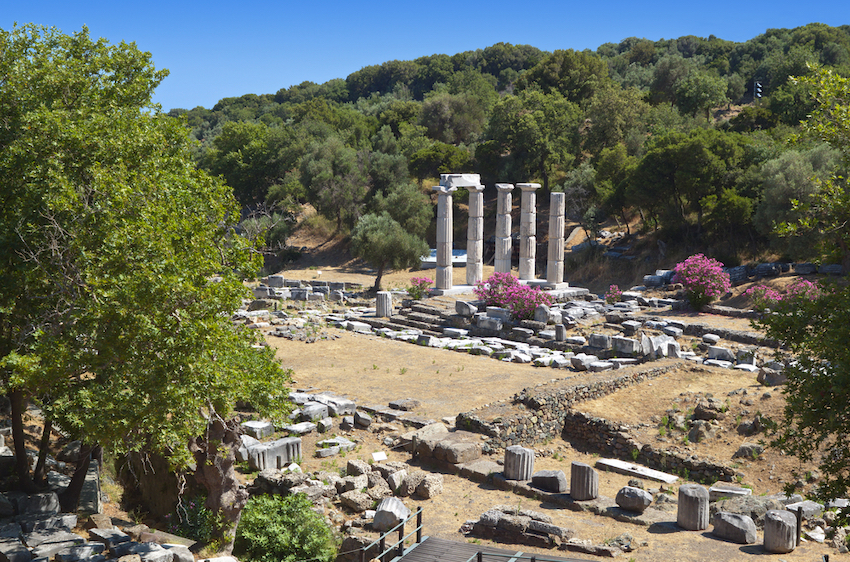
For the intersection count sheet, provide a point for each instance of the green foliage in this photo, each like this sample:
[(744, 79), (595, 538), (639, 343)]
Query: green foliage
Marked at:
[(814, 327), (101, 198), (336, 180), (192, 520), (383, 242), (283, 529)]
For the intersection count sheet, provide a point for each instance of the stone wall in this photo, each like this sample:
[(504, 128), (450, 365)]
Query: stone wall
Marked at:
[(540, 414)]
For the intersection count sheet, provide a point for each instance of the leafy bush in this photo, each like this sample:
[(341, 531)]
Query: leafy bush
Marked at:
[(419, 287), (703, 279), (192, 520), (283, 529), (505, 291)]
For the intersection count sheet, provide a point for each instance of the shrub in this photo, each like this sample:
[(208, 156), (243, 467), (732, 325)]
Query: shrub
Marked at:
[(703, 279), (192, 520), (765, 297), (419, 287), (613, 295), (283, 529), (504, 290)]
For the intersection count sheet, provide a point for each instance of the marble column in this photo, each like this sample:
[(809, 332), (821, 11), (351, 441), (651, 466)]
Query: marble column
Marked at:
[(444, 236), (555, 261), (528, 230), (503, 228), (475, 236)]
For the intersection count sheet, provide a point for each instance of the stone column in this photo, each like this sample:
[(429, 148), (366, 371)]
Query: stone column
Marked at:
[(584, 482), (519, 463), (384, 304), (504, 243), (780, 531), (528, 230), (444, 236), (555, 261), (692, 513), (475, 236)]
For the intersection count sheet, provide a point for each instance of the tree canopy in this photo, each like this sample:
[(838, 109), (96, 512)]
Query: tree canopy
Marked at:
[(120, 260)]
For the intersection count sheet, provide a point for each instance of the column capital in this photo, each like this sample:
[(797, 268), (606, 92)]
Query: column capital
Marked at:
[(505, 187), (443, 190), (475, 188), (460, 180), (528, 186)]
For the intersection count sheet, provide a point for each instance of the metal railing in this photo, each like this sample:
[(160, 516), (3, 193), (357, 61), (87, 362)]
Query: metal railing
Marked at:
[(397, 546)]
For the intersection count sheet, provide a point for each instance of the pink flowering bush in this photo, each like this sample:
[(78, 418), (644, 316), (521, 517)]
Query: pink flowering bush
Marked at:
[(613, 295), (703, 279), (765, 297), (505, 291), (419, 287)]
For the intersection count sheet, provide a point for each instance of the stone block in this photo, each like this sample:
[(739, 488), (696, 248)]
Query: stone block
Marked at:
[(626, 346), (734, 527), (601, 341), (721, 354), (313, 411), (465, 309), (431, 486), (550, 480), (489, 323)]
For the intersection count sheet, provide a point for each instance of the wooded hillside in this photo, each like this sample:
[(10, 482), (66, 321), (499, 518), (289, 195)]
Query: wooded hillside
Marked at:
[(696, 136)]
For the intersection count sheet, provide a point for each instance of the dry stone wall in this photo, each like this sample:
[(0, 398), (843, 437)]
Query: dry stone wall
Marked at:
[(542, 414)]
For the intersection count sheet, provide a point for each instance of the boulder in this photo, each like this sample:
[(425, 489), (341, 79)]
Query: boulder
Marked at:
[(748, 451), (356, 500), (734, 527), (633, 499), (465, 309), (755, 507), (431, 485), (389, 513)]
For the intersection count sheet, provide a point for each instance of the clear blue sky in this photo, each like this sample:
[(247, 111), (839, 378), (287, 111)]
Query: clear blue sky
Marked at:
[(219, 49)]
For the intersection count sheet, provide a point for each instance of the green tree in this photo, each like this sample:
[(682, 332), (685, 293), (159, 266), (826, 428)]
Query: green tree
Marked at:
[(383, 242), (119, 267), (700, 91), (817, 394), (539, 131), (438, 158), (576, 75), (337, 180)]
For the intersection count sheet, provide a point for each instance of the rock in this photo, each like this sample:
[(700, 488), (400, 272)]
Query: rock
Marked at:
[(396, 479), (356, 467), (405, 404), (389, 513), (748, 451), (701, 431), (258, 429), (734, 527), (633, 499), (356, 500), (753, 506), (710, 339), (771, 377), (362, 419), (431, 485), (550, 480), (70, 453), (410, 483), (465, 309)]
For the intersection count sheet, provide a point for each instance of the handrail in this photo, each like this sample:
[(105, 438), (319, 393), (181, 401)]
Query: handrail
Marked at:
[(399, 544)]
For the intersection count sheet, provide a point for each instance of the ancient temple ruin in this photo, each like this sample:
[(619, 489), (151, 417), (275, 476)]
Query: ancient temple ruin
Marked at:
[(450, 183)]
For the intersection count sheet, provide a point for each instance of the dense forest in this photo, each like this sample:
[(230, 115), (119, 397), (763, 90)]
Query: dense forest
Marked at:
[(698, 137)]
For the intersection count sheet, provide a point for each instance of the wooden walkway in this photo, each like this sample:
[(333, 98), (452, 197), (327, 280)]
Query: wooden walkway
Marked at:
[(432, 549)]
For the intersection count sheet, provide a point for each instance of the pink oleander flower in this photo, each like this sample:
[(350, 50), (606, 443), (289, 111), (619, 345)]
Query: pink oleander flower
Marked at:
[(703, 279)]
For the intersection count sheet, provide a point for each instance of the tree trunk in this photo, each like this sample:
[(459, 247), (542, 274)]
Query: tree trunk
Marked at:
[(380, 275), (215, 456), (18, 402), (69, 499), (39, 474)]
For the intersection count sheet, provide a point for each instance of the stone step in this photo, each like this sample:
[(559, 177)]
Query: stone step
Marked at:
[(399, 323)]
